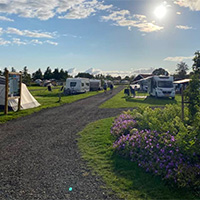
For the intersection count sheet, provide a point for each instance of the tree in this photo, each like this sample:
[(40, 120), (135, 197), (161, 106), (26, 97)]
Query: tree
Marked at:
[(26, 77), (48, 74), (192, 91), (37, 74), (56, 74), (1, 73), (181, 70), (196, 59), (5, 69), (13, 69), (160, 71), (63, 74)]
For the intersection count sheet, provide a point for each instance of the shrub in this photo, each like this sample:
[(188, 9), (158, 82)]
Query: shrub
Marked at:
[(122, 125), (159, 154)]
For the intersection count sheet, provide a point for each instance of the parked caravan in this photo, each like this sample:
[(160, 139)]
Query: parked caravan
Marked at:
[(95, 85), (161, 86), (77, 85), (27, 100)]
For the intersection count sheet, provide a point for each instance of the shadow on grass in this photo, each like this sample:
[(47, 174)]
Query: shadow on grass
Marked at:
[(148, 185), (151, 100)]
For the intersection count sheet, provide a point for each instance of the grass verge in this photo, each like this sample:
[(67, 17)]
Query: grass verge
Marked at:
[(47, 100), (123, 177), (122, 101)]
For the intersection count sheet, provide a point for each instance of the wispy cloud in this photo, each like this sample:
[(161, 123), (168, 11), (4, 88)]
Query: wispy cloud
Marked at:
[(84, 10), (51, 42), (123, 18), (192, 4), (178, 58), (3, 18), (114, 73), (27, 33), (184, 27), (46, 9), (4, 42)]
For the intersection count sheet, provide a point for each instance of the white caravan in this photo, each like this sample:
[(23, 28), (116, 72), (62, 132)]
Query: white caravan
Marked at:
[(95, 85), (77, 85), (161, 86)]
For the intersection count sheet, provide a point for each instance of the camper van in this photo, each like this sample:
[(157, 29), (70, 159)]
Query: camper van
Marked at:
[(95, 85), (77, 85), (161, 86)]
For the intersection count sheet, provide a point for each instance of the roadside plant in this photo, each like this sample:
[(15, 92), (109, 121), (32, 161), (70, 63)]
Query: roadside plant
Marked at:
[(159, 154), (122, 125)]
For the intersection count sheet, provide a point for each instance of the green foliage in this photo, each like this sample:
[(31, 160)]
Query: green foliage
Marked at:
[(181, 70), (125, 178), (196, 65), (37, 74), (161, 120), (26, 77), (193, 96), (160, 71)]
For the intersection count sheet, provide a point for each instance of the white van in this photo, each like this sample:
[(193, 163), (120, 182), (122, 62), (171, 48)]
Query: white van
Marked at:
[(161, 86), (77, 85)]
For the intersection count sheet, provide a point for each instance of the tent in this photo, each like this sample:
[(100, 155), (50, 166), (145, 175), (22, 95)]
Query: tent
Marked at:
[(27, 100)]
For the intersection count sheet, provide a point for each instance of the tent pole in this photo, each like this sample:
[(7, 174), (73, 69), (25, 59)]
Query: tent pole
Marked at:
[(6, 93), (20, 92)]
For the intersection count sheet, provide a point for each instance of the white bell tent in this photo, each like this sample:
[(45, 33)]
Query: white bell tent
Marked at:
[(27, 100)]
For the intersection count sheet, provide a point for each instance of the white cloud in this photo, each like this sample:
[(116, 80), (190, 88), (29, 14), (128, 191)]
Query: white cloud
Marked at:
[(4, 42), (3, 18), (192, 4), (46, 9), (114, 73), (51, 42), (18, 42), (123, 18), (27, 33), (178, 58), (178, 13), (183, 27), (84, 10), (36, 42)]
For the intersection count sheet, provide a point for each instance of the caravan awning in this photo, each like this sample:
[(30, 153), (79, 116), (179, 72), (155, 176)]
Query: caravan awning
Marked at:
[(182, 81)]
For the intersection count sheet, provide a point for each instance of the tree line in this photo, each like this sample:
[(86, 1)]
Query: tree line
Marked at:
[(61, 75)]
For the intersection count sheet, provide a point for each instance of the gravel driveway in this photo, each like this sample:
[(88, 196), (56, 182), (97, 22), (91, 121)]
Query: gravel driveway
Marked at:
[(39, 157)]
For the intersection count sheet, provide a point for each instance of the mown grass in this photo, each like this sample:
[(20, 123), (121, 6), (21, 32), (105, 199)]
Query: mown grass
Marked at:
[(123, 101), (47, 100), (123, 177)]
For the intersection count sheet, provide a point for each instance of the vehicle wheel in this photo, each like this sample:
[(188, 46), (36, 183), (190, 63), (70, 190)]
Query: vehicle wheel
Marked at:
[(173, 98)]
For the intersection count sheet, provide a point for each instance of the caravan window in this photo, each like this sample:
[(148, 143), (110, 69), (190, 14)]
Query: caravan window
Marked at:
[(87, 84), (165, 84), (82, 84), (72, 84)]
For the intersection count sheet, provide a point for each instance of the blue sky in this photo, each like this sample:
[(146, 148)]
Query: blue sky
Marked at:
[(117, 37)]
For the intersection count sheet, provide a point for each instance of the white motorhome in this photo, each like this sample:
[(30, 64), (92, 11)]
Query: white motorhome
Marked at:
[(95, 85), (161, 86), (77, 85)]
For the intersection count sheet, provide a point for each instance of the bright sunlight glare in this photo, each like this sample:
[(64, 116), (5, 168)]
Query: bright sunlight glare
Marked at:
[(160, 11)]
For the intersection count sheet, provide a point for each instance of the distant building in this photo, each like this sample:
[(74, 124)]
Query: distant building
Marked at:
[(140, 80), (141, 76)]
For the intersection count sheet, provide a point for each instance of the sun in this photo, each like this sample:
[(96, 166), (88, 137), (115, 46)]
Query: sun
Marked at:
[(160, 12)]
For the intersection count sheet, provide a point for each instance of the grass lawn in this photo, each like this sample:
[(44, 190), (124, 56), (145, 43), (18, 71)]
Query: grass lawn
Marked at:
[(47, 100), (122, 101), (123, 177)]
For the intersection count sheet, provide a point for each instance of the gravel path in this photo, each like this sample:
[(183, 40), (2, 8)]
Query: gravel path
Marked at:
[(39, 157)]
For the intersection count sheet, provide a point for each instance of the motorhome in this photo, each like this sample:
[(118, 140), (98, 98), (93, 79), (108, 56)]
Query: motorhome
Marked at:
[(161, 86), (95, 85), (77, 85)]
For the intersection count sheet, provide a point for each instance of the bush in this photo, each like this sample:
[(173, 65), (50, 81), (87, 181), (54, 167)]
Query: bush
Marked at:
[(159, 154), (122, 125), (164, 145)]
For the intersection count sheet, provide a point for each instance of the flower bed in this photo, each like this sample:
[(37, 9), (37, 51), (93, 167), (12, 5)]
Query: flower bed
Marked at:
[(158, 152)]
